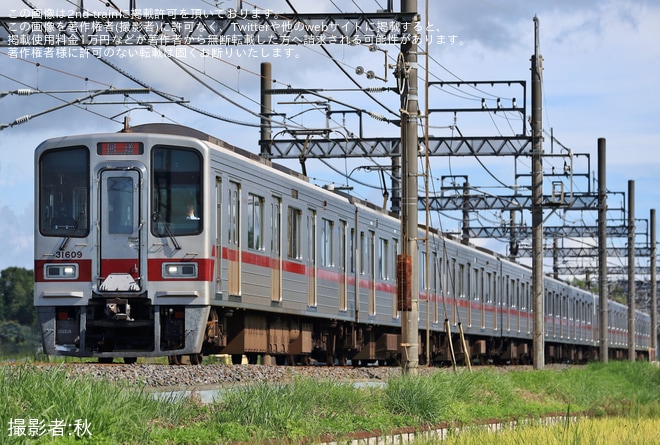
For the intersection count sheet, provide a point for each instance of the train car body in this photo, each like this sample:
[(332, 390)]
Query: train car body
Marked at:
[(164, 241)]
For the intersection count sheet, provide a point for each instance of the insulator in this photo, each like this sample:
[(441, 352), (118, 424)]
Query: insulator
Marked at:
[(24, 92), (23, 119), (376, 89), (378, 117)]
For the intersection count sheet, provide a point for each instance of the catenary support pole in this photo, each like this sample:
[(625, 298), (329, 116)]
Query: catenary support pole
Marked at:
[(631, 271), (408, 260), (654, 291), (538, 343), (602, 251)]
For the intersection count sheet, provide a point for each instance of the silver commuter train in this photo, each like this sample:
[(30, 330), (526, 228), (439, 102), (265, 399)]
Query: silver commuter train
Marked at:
[(164, 241)]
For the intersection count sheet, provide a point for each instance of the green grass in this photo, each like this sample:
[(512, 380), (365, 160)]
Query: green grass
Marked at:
[(128, 413)]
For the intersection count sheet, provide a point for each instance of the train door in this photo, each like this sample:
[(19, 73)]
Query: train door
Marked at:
[(343, 299), (452, 290), (469, 293), (436, 286), (460, 292), (218, 235), (481, 296), (517, 303), (234, 238), (371, 271), (527, 295), (120, 225), (489, 297), (367, 269), (312, 300), (276, 250), (507, 303)]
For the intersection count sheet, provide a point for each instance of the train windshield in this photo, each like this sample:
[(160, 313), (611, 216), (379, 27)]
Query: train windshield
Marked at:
[(176, 192), (64, 192)]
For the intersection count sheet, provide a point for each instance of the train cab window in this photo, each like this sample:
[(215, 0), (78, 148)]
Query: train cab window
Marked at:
[(176, 191), (64, 192)]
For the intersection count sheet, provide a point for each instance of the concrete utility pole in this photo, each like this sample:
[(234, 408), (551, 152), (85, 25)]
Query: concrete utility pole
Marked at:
[(631, 271), (654, 291), (538, 343), (602, 251), (408, 261)]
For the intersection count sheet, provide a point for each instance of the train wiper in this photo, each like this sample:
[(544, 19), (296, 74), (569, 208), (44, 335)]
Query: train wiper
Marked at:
[(73, 229), (156, 217)]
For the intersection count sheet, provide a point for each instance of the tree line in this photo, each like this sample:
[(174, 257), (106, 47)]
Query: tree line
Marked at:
[(18, 317)]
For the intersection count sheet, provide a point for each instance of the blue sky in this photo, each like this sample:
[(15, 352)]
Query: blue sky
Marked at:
[(601, 61)]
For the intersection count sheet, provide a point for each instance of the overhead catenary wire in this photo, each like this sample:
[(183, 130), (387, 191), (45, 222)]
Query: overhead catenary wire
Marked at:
[(180, 64), (341, 68), (25, 118), (255, 125)]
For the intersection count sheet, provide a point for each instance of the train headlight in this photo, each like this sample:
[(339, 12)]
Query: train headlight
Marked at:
[(61, 271), (180, 270)]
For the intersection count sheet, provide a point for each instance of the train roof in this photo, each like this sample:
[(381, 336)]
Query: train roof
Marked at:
[(180, 130)]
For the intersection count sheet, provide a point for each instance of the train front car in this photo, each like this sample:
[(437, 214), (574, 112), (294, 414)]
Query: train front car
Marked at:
[(122, 265)]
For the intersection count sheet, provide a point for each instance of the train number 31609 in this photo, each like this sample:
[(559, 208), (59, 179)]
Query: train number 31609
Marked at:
[(68, 254)]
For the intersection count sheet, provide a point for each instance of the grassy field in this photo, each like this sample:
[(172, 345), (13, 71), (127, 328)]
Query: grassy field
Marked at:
[(47, 407), (609, 431)]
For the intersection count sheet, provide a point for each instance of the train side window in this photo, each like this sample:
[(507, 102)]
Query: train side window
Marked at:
[(460, 293), (327, 243), (476, 285), (363, 253), (294, 233), (275, 222), (453, 279), (64, 192), (422, 271), (233, 209), (256, 206), (351, 250), (395, 253), (489, 288), (514, 293), (383, 259)]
